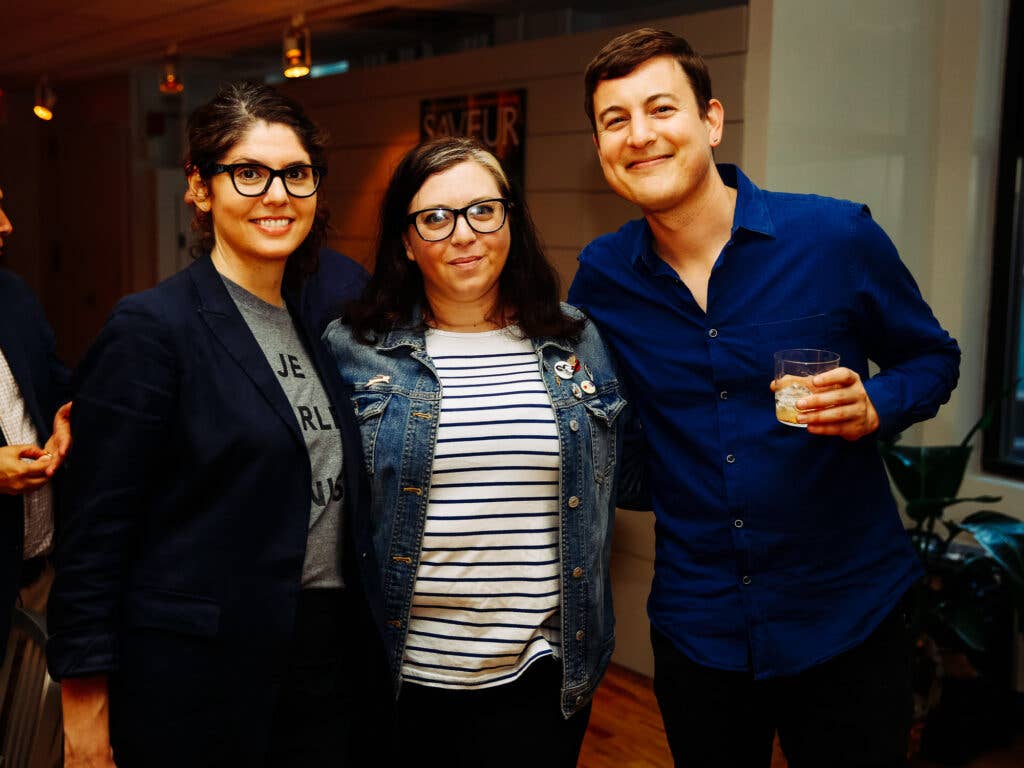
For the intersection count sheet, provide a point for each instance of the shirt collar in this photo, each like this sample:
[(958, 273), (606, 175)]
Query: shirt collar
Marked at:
[(751, 214), (413, 334), (751, 209)]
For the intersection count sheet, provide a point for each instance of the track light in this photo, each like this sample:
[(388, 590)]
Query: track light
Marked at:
[(170, 83), (45, 99), (295, 48)]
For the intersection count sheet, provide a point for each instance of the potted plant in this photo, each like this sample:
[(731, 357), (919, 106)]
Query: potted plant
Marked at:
[(962, 612)]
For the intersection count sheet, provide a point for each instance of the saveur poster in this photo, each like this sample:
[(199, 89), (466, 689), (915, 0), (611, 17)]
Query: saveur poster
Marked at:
[(496, 119)]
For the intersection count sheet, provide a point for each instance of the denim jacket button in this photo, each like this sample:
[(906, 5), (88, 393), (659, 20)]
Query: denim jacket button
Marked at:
[(574, 501), (577, 572), (574, 425), (579, 700), (579, 634)]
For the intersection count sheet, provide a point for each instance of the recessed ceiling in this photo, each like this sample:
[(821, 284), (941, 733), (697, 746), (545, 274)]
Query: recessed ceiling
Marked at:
[(75, 39), (72, 39)]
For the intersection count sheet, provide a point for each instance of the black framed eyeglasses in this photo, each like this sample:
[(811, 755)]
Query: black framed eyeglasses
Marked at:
[(253, 179), (483, 217)]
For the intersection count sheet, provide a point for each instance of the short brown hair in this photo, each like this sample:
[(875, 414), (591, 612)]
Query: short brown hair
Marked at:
[(628, 51)]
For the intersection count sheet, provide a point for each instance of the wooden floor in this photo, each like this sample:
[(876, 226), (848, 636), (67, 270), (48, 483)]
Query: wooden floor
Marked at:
[(626, 732), (625, 725)]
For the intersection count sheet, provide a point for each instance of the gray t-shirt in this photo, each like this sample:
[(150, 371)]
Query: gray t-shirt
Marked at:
[(275, 331)]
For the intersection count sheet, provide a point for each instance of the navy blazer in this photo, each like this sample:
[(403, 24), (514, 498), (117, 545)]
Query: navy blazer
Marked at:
[(338, 280), (27, 344), (180, 553)]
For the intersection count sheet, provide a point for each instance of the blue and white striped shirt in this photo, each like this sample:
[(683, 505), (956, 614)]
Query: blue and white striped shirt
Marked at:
[(487, 595)]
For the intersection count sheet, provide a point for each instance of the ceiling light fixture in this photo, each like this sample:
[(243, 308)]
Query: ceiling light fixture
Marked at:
[(170, 83), (295, 48), (45, 99)]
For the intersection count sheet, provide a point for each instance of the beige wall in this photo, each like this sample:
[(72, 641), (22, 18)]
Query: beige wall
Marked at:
[(373, 118)]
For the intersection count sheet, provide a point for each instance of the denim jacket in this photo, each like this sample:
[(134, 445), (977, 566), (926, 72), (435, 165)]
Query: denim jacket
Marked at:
[(396, 394)]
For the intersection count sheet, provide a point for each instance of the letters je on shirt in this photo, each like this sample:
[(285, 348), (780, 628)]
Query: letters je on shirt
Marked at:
[(290, 365)]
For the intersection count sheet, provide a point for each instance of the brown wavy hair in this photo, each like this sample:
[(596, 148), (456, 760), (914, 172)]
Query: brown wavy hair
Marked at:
[(528, 288), (215, 127)]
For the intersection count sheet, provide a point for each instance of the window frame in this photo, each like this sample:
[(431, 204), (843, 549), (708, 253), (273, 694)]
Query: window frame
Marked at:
[(1007, 288)]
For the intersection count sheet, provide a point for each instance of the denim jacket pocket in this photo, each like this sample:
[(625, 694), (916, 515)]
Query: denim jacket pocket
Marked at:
[(369, 408), (603, 410)]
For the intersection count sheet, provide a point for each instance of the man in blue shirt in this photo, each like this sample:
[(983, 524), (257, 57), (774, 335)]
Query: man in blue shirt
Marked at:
[(780, 558)]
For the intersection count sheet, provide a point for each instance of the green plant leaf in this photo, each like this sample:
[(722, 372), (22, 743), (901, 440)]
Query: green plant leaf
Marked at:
[(1002, 537), (959, 607), (928, 477), (967, 619)]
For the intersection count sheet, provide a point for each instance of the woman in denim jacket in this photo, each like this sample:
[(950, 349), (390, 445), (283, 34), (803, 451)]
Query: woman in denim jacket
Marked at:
[(491, 421)]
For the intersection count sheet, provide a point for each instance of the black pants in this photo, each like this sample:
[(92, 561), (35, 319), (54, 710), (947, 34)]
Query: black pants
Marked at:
[(517, 724), (854, 710), (313, 720)]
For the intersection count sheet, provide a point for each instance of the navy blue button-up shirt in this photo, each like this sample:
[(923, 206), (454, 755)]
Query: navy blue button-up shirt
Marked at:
[(776, 549)]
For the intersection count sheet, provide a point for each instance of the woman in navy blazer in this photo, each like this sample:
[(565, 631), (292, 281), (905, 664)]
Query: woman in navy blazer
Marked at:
[(179, 620)]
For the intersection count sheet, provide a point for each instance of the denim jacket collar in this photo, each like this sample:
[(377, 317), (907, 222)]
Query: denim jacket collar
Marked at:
[(411, 335)]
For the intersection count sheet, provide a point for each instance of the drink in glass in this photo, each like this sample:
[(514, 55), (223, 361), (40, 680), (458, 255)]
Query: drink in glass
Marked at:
[(794, 369)]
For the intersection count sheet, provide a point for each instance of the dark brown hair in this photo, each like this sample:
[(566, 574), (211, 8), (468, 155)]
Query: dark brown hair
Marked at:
[(215, 127), (528, 286), (628, 51)]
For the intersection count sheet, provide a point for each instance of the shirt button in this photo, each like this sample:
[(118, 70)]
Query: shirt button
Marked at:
[(746, 580), (730, 459), (724, 395), (574, 501), (577, 572), (713, 333), (574, 425), (579, 634), (738, 523)]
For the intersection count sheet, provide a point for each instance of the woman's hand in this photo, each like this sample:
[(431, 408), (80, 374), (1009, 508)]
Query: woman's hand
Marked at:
[(85, 702)]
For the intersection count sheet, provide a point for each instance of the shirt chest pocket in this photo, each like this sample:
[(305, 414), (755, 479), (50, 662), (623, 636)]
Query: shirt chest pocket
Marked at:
[(369, 409), (602, 413), (809, 332), (752, 350)]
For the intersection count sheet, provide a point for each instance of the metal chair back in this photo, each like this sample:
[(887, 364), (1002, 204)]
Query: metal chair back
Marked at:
[(31, 734)]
